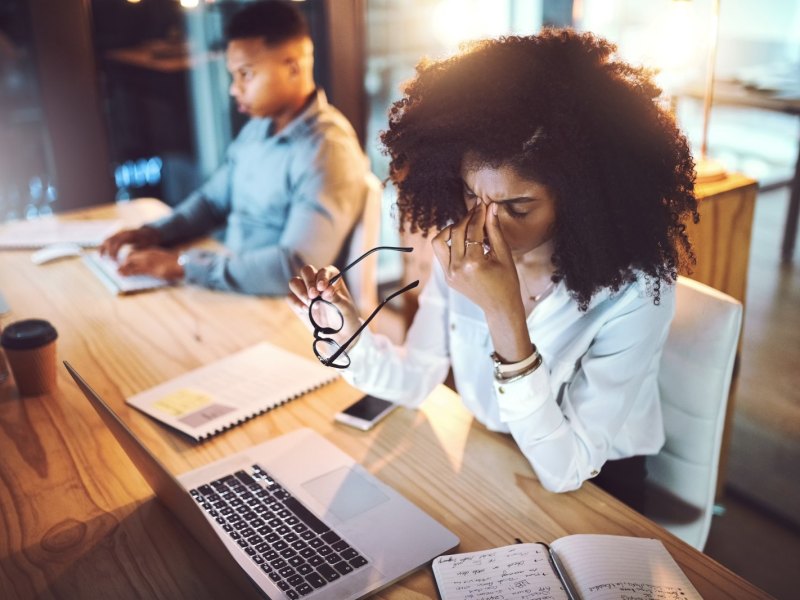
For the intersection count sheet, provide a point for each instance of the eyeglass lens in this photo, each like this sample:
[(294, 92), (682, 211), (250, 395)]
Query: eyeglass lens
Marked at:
[(326, 349), (326, 317)]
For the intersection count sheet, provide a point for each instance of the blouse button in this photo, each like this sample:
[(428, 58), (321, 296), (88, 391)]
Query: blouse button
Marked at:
[(501, 389), (452, 326), (594, 473)]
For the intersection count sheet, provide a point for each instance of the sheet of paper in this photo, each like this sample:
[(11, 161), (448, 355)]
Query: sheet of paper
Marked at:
[(609, 567), (36, 233), (519, 572)]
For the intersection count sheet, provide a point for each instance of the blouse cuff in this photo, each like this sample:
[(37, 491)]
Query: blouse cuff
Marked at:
[(523, 397), (359, 357)]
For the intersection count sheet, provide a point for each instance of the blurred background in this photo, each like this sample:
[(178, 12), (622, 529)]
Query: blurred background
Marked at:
[(104, 100)]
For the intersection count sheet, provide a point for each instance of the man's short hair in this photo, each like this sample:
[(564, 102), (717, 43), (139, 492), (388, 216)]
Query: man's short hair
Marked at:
[(274, 21)]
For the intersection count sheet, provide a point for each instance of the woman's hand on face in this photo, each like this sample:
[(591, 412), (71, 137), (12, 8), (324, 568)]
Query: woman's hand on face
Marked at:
[(312, 283), (489, 279)]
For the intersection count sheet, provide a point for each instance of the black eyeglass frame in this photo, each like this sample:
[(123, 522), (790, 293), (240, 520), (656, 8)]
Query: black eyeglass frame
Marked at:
[(319, 331)]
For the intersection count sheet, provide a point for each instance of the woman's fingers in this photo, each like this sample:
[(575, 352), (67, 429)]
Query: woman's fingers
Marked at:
[(309, 276), (475, 230), (494, 234), (299, 290), (458, 233), (323, 282), (441, 248), (311, 283)]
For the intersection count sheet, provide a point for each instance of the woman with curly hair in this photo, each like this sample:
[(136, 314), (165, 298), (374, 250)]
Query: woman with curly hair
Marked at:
[(557, 189)]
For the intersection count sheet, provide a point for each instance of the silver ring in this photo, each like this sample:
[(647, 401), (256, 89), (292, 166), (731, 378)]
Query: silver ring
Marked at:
[(468, 243)]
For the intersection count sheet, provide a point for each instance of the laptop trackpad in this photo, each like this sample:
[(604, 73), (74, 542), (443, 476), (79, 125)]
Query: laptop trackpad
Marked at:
[(345, 493)]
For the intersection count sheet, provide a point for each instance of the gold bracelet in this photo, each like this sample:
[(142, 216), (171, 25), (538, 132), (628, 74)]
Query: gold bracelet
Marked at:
[(536, 364), (502, 368)]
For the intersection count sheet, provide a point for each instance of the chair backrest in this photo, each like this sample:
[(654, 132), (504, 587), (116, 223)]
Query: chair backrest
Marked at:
[(362, 279), (694, 382)]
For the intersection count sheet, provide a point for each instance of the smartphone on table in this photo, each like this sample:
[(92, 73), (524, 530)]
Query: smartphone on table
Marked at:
[(365, 413)]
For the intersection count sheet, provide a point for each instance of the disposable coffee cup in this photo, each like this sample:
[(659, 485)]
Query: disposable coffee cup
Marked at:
[(30, 348)]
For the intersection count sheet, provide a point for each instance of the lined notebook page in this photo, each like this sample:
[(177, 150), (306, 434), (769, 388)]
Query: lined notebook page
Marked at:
[(518, 572), (609, 567), (222, 394)]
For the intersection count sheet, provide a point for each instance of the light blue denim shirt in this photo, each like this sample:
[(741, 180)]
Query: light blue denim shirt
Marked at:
[(284, 200)]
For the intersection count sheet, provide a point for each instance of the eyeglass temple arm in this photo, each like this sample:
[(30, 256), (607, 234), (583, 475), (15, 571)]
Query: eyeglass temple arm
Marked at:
[(335, 278), (358, 331)]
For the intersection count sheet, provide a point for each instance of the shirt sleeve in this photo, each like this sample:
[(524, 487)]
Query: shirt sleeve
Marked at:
[(204, 210), (567, 434), (328, 194), (408, 374)]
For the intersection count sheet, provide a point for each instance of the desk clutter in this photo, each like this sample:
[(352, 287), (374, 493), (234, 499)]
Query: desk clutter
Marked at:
[(67, 475)]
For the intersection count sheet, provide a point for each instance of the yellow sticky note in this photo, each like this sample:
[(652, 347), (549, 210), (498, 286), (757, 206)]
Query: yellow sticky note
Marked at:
[(180, 402)]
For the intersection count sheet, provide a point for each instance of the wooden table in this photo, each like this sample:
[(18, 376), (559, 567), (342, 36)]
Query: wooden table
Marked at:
[(78, 521)]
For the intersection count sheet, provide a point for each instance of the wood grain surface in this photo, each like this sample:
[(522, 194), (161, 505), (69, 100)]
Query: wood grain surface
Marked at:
[(78, 521)]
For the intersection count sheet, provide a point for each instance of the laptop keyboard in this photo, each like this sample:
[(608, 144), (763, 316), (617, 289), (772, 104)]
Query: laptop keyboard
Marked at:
[(286, 540)]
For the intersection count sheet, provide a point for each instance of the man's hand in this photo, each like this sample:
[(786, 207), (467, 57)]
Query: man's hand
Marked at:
[(143, 237), (155, 262)]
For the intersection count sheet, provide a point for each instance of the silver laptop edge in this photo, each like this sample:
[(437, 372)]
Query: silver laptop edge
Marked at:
[(413, 538), (168, 489)]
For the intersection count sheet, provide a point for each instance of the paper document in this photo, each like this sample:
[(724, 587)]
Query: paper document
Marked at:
[(37, 233)]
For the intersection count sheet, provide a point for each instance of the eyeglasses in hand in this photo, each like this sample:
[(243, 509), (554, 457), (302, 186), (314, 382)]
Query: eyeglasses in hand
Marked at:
[(328, 320)]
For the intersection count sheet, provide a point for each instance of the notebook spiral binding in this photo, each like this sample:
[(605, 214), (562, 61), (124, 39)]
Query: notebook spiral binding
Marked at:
[(246, 418)]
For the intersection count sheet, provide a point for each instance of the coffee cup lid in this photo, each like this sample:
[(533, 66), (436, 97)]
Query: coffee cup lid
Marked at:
[(28, 334)]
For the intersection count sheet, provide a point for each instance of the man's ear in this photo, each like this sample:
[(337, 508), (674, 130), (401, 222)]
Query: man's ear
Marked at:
[(294, 66)]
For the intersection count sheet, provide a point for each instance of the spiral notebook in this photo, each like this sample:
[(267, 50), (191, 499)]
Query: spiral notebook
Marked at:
[(218, 396)]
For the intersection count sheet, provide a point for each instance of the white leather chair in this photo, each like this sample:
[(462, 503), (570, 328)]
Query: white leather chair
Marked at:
[(362, 279), (694, 381)]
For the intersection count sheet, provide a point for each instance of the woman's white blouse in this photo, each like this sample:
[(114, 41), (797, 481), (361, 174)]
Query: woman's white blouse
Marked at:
[(594, 398)]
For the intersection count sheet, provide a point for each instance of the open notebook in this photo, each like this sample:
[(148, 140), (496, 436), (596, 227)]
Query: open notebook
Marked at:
[(105, 268), (225, 393), (579, 567)]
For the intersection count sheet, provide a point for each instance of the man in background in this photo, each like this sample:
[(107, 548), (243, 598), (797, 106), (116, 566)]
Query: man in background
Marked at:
[(292, 186)]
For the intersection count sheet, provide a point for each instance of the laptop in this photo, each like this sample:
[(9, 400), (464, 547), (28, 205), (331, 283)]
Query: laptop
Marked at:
[(294, 517)]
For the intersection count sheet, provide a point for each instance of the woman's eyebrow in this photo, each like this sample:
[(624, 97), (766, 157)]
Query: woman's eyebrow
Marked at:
[(515, 200), (518, 200)]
